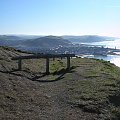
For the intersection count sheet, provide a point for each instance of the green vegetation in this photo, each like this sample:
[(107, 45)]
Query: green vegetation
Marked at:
[(90, 90), (57, 65), (96, 88)]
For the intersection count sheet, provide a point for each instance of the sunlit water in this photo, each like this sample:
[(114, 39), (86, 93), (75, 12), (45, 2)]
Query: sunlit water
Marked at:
[(110, 44), (112, 58)]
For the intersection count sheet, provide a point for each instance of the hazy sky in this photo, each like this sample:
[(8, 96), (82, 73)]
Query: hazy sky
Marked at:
[(60, 17)]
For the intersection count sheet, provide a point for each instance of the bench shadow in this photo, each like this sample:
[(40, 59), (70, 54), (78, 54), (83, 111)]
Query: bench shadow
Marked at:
[(61, 74), (115, 99), (38, 78)]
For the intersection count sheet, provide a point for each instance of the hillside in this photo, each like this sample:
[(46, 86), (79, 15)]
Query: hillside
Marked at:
[(10, 37), (89, 91), (9, 40), (87, 38), (46, 42)]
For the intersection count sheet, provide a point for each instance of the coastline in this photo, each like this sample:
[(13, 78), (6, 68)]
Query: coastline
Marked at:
[(113, 58)]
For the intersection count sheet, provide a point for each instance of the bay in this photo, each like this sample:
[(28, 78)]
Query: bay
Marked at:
[(110, 44), (115, 59)]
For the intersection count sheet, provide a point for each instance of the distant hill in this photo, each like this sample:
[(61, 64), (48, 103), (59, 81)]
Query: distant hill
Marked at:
[(10, 40), (9, 37), (47, 42), (41, 42), (18, 37), (38, 43), (87, 38)]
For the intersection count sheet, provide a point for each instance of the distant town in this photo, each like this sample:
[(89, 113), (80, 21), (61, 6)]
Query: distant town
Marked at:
[(78, 49)]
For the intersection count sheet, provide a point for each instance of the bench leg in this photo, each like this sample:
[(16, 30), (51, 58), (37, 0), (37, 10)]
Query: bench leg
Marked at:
[(19, 64), (47, 66), (68, 63)]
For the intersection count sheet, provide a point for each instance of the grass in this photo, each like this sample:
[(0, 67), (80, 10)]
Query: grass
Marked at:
[(56, 65), (92, 91)]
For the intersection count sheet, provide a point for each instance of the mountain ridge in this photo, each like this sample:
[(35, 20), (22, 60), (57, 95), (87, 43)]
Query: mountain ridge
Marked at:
[(88, 38), (47, 42), (42, 42)]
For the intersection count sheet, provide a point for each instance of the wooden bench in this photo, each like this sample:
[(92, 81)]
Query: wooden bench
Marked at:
[(46, 56)]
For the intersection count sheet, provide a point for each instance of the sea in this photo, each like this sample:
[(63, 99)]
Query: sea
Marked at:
[(115, 59)]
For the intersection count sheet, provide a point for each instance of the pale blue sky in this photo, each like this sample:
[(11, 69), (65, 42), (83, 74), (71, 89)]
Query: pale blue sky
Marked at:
[(60, 17)]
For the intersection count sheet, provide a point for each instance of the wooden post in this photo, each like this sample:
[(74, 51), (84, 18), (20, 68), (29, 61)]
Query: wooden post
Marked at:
[(53, 59), (68, 63), (19, 64), (47, 66)]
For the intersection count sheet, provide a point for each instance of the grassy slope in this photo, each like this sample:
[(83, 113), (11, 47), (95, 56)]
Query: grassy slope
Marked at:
[(91, 90)]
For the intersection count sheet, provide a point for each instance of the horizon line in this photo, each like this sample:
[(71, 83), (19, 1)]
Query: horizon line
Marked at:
[(9, 34)]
